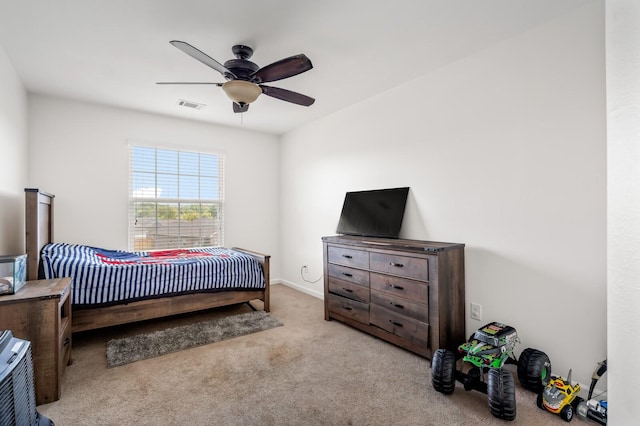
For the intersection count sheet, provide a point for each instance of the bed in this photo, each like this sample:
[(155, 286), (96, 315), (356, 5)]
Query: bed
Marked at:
[(113, 287)]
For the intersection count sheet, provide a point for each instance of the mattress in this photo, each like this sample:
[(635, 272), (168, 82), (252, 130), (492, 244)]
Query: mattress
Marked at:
[(102, 277)]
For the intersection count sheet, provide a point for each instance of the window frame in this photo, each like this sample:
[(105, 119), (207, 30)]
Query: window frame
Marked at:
[(183, 203)]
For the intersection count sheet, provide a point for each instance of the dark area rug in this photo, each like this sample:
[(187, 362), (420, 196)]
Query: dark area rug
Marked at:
[(149, 345)]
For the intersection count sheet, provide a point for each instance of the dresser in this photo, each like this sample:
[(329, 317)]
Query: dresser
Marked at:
[(407, 292), (41, 313)]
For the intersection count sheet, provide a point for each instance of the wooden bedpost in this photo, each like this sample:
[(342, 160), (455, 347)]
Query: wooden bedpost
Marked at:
[(38, 227), (264, 261)]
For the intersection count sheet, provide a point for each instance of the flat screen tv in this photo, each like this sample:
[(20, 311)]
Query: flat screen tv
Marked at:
[(375, 213)]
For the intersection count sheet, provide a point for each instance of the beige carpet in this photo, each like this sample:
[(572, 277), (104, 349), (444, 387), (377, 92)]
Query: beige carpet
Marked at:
[(308, 372)]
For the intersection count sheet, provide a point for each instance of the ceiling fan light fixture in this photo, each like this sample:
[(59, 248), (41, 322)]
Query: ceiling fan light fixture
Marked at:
[(241, 92), (245, 79)]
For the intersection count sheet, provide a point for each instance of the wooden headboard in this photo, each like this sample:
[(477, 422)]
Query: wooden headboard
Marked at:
[(39, 227)]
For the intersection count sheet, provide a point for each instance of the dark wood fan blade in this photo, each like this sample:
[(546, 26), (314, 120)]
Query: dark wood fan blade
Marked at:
[(287, 95), (283, 68), (240, 108), (202, 57), (188, 82)]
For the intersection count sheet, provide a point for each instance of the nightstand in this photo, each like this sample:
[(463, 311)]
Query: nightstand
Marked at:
[(41, 313)]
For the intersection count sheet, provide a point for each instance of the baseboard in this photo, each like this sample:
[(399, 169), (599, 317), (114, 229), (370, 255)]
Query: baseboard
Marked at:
[(314, 293)]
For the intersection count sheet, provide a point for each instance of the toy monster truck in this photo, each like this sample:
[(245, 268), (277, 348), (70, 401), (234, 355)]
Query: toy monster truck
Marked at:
[(560, 397), (483, 356)]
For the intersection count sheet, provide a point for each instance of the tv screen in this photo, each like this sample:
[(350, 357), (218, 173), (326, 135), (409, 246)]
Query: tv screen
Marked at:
[(376, 213)]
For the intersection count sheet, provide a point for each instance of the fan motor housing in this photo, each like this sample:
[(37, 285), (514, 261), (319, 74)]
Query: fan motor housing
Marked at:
[(241, 68)]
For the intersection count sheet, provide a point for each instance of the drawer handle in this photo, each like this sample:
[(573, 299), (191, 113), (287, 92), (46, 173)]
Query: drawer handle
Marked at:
[(397, 324), (347, 256), (397, 305), (66, 342), (397, 265), (346, 274), (347, 308), (397, 287), (348, 290)]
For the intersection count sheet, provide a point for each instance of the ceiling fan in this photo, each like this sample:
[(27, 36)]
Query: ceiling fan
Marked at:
[(245, 78)]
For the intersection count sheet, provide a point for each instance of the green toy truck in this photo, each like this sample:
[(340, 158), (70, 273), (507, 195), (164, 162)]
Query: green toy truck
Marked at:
[(481, 360)]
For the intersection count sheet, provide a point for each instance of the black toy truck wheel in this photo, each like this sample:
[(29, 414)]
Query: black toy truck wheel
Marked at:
[(566, 413), (539, 402), (534, 370), (501, 391), (443, 371)]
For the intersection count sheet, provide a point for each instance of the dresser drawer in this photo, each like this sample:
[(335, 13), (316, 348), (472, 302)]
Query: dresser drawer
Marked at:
[(417, 332), (349, 308), (349, 290), (348, 257), (400, 305), (404, 266), (344, 273), (414, 290)]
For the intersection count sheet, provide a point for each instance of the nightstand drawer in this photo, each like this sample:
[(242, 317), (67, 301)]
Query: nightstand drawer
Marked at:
[(404, 266), (415, 331), (349, 257), (64, 345), (349, 308), (344, 273), (400, 305)]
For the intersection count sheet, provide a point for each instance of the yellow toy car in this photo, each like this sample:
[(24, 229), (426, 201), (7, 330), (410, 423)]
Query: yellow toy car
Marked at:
[(560, 397)]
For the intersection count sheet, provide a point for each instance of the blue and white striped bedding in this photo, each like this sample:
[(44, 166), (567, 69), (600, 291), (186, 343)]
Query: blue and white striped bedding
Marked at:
[(102, 277)]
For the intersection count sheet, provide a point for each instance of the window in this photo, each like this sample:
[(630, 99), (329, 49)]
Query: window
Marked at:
[(176, 199)]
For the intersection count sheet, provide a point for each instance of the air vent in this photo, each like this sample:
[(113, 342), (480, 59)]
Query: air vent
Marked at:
[(190, 104)]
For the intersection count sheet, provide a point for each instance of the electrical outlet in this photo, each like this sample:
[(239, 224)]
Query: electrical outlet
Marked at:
[(476, 311)]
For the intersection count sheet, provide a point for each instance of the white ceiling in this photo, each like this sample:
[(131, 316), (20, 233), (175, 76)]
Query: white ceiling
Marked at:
[(114, 51)]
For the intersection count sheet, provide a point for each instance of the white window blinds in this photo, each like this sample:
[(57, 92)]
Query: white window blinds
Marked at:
[(176, 199)]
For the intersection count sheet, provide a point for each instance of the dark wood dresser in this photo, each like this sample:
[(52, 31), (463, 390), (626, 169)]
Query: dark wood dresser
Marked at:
[(410, 293)]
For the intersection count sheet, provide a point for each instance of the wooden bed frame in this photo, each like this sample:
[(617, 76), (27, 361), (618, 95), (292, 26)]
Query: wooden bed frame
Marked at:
[(39, 232)]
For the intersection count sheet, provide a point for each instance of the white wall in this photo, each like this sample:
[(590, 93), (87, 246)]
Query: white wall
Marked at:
[(504, 176), (623, 131), (13, 158), (79, 153), (504, 151)]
